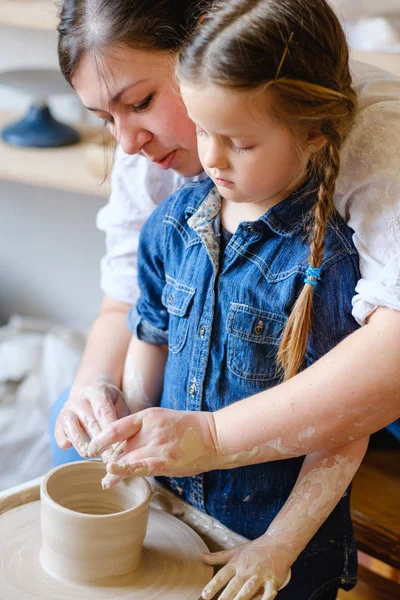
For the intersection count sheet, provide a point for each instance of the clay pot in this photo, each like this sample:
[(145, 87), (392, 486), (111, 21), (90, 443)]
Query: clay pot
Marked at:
[(89, 534)]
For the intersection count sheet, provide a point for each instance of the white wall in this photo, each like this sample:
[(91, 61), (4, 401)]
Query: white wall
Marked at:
[(49, 254), (22, 48), (49, 246)]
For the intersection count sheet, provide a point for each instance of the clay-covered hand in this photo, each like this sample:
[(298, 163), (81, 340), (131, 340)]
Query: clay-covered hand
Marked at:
[(87, 413), (257, 569), (159, 441)]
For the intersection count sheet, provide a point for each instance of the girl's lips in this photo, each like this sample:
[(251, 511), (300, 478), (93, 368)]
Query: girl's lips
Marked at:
[(224, 182), (167, 161)]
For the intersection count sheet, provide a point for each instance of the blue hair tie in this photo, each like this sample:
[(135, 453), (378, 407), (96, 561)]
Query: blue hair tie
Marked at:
[(312, 272)]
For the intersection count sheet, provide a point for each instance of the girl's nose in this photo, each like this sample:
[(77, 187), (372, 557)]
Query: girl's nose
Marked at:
[(214, 156)]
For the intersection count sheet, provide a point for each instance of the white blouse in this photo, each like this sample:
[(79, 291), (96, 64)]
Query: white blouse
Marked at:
[(367, 196)]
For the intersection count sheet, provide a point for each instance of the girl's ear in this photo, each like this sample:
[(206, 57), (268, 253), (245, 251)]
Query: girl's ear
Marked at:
[(315, 140)]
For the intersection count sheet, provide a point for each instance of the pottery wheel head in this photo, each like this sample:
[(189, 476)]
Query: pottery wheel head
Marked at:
[(171, 566)]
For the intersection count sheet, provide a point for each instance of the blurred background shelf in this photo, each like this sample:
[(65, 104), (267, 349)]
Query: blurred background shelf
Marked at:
[(384, 60), (28, 13), (64, 168)]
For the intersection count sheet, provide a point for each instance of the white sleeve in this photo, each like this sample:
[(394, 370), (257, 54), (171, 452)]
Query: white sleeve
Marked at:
[(368, 189), (138, 186)]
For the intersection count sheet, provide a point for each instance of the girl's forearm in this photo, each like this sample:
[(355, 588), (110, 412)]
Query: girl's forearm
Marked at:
[(144, 374), (322, 481), (106, 346), (351, 392)]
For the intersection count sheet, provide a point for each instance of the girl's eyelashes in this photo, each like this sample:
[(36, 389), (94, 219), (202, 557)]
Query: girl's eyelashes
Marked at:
[(144, 104), (240, 149)]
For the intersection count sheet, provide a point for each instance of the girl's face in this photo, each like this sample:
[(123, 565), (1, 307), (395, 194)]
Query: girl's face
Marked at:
[(134, 93), (249, 155)]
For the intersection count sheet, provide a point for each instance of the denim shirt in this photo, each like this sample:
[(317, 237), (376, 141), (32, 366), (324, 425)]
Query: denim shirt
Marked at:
[(222, 316)]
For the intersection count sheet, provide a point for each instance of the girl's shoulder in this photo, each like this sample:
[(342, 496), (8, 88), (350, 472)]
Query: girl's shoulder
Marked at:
[(339, 243)]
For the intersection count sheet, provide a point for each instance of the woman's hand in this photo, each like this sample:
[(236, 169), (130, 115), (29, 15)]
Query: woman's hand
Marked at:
[(87, 413), (159, 441), (257, 569)]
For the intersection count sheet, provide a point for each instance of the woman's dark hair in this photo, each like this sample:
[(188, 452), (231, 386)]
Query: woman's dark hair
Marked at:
[(88, 26), (295, 49)]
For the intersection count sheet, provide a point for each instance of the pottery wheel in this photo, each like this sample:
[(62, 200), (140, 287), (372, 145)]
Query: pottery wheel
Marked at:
[(171, 567)]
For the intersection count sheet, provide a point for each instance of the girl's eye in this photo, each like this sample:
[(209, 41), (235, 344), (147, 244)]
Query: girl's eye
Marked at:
[(240, 149), (200, 132), (108, 121), (143, 105)]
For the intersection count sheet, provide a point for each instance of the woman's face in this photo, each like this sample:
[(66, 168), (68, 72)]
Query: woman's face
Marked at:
[(135, 94)]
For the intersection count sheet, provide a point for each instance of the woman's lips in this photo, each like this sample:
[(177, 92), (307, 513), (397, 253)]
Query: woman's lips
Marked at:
[(166, 162)]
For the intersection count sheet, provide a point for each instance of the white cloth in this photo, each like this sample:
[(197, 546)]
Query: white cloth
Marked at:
[(367, 196), (37, 361)]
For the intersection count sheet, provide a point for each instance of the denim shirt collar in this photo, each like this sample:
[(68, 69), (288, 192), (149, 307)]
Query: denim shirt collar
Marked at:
[(285, 218)]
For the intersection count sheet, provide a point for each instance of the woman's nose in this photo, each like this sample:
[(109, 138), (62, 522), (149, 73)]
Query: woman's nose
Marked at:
[(132, 139)]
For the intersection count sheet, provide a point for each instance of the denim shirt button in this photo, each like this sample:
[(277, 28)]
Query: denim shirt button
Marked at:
[(202, 331), (259, 328), (192, 389), (251, 228)]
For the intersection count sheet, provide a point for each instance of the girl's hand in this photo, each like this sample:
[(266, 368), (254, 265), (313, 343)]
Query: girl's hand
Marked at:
[(158, 441), (253, 570), (87, 413)]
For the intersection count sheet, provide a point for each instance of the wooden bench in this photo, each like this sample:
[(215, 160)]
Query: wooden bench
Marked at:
[(375, 510)]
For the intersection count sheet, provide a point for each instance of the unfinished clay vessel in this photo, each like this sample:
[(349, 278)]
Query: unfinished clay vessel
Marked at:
[(89, 534), (92, 543)]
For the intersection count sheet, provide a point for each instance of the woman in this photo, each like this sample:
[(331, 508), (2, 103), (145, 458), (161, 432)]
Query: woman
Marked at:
[(119, 57)]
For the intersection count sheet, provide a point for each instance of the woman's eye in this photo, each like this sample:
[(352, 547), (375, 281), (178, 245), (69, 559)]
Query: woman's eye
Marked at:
[(143, 105), (108, 121)]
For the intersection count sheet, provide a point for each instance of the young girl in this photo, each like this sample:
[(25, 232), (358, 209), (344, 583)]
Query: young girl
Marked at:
[(245, 279), (129, 57)]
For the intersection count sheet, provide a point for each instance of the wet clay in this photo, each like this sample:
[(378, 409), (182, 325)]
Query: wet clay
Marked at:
[(82, 554)]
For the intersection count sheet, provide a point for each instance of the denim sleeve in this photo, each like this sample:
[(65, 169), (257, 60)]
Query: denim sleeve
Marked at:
[(144, 330), (148, 319), (332, 318)]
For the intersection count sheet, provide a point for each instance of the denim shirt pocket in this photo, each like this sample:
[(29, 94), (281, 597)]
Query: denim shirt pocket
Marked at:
[(253, 340), (177, 298)]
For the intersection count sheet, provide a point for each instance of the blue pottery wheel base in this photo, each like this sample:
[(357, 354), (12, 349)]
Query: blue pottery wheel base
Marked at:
[(39, 129)]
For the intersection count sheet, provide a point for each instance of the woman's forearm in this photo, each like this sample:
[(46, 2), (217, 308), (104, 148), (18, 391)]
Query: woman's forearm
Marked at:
[(351, 392), (106, 347)]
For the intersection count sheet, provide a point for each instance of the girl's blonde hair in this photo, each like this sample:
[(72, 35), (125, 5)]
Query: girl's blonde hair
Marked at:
[(297, 50)]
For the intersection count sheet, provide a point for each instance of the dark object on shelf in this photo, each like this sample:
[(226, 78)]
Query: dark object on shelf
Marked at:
[(38, 128)]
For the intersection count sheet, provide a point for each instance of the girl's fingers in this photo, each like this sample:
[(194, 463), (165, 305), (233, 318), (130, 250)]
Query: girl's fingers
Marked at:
[(118, 431), (59, 435), (120, 450), (109, 481), (250, 588), (103, 408), (217, 558), (218, 582), (269, 591), (233, 588), (147, 467), (93, 429), (75, 433)]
